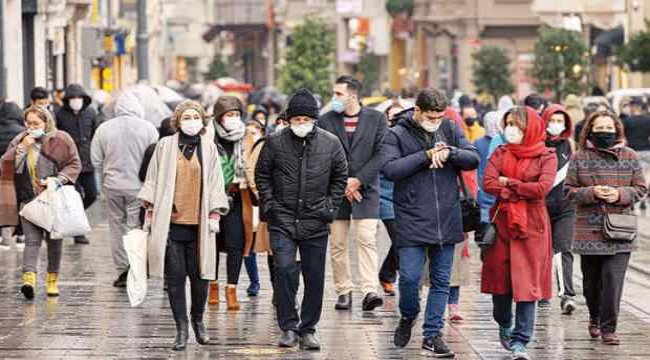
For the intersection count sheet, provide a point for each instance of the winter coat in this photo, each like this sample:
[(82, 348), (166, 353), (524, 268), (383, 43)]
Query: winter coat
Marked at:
[(637, 132), (262, 241), (119, 145), (58, 158), (80, 126), (485, 200), (301, 188), (11, 124), (386, 209), (158, 190), (363, 154), (426, 201), (618, 167), (520, 266)]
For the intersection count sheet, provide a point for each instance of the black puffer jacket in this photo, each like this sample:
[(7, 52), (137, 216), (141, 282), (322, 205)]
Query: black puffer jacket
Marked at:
[(301, 182), (11, 124), (80, 126)]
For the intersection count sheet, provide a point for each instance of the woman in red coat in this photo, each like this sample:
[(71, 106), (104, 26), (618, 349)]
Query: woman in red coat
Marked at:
[(518, 266)]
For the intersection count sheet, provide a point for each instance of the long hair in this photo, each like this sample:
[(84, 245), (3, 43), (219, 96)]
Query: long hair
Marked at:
[(589, 123), (44, 114)]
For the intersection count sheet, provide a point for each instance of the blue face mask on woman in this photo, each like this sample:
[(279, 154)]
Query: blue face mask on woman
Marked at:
[(36, 133)]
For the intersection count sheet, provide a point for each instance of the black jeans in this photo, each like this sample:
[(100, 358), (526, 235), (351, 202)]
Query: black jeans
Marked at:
[(313, 256), (602, 282), (567, 275), (390, 266), (181, 261), (563, 218), (87, 186), (233, 236)]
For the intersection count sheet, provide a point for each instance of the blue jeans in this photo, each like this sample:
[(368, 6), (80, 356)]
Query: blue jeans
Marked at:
[(524, 318), (454, 295), (411, 264)]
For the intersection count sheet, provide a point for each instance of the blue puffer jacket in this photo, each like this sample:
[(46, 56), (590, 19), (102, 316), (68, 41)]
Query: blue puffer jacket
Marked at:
[(427, 206), (386, 211)]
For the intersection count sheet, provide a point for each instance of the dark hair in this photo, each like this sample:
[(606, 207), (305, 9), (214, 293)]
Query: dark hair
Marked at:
[(589, 123), (637, 100), (39, 93), (353, 84), (432, 100), (535, 101)]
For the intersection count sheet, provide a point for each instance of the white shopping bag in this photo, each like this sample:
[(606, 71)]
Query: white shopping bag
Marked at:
[(135, 244), (40, 210), (69, 214)]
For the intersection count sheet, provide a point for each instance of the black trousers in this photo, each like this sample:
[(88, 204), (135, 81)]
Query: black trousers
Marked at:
[(390, 266), (233, 237), (563, 218), (567, 274), (181, 261), (313, 256), (603, 279), (87, 186)]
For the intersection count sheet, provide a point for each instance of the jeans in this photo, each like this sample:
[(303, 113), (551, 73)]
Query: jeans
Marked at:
[(603, 277), (454, 295), (388, 271), (34, 237), (313, 256), (524, 318), (87, 186), (181, 261), (232, 233), (411, 265)]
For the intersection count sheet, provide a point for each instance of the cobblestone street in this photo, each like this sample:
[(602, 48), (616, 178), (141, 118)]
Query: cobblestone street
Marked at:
[(91, 319)]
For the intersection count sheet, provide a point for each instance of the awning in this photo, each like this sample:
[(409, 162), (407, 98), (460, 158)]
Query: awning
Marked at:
[(608, 40), (215, 30)]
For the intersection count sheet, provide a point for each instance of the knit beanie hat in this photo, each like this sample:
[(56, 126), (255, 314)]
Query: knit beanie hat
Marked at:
[(302, 103)]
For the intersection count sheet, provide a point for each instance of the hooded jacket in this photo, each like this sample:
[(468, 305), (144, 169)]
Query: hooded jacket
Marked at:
[(81, 126), (119, 145), (563, 149), (426, 201), (11, 124)]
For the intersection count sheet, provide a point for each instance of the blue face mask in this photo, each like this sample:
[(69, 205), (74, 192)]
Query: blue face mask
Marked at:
[(36, 133), (338, 105)]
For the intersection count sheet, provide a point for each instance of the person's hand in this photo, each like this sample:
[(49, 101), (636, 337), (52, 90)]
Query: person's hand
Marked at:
[(148, 216), (503, 180), (612, 195), (213, 224), (601, 191), (439, 158), (28, 141), (354, 197), (147, 205), (353, 185)]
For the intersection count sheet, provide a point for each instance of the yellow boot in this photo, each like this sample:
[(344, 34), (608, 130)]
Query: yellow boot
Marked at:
[(213, 293), (29, 284), (52, 284), (231, 298)]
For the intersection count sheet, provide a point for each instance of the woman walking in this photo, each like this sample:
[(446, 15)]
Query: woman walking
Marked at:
[(36, 154), (605, 177), (517, 267), (184, 196)]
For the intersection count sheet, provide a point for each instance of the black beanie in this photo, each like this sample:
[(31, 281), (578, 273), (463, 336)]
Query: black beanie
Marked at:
[(302, 103)]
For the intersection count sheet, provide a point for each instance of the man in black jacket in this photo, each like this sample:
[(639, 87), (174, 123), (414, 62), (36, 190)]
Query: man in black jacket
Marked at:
[(78, 119), (301, 177), (361, 131)]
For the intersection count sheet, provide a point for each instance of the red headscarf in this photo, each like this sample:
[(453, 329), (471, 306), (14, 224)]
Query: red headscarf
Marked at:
[(518, 158)]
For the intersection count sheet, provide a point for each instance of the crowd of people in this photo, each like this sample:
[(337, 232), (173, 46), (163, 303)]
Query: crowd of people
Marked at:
[(533, 184)]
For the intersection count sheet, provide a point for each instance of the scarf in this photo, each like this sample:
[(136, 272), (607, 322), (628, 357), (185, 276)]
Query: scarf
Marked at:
[(188, 144), (518, 158), (235, 136)]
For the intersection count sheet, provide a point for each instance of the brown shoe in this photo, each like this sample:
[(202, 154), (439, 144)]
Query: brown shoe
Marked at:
[(611, 339), (231, 298), (389, 288), (213, 297), (594, 329)]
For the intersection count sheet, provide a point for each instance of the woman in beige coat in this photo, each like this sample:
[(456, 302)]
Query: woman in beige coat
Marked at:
[(185, 197)]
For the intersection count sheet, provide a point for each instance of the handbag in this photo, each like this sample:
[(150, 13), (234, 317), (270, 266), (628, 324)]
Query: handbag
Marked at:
[(486, 235), (470, 208), (619, 227)]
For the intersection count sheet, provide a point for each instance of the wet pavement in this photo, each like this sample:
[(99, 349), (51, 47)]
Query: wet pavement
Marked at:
[(91, 319)]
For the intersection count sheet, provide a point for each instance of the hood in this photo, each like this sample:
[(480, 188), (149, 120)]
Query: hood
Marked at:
[(76, 90), (505, 103), (128, 105), (492, 123), (556, 108), (404, 116), (452, 114), (10, 114)]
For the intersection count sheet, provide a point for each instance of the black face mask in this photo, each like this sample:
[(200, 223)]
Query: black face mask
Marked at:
[(603, 140), (470, 121)]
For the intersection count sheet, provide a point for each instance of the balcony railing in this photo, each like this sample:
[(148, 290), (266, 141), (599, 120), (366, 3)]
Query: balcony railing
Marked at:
[(241, 12)]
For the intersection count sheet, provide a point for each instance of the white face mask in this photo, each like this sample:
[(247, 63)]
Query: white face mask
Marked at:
[(191, 127), (429, 126), (76, 104), (513, 135), (555, 129), (232, 123), (302, 130)]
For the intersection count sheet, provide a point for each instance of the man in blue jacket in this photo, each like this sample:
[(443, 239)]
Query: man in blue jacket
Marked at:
[(424, 154)]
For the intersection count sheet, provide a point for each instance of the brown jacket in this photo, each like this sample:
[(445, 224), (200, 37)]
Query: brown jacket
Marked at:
[(262, 242)]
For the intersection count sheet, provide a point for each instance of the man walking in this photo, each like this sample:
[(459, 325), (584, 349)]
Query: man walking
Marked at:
[(301, 177), (424, 154), (117, 152), (78, 119), (361, 131)]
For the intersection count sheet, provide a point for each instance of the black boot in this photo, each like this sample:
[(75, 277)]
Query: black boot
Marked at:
[(200, 332), (181, 335)]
